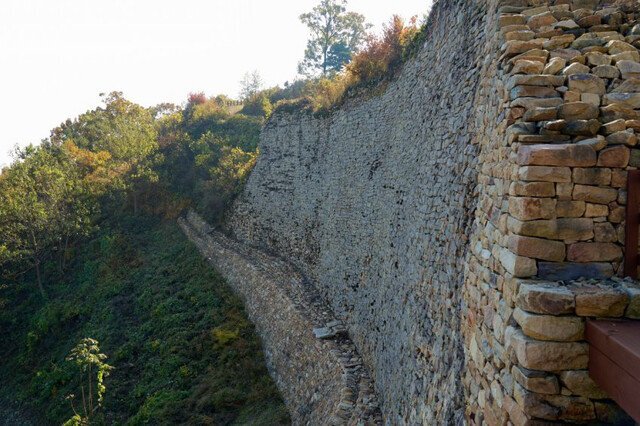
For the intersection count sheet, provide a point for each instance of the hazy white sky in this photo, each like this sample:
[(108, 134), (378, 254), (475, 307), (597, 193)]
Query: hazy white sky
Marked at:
[(57, 56)]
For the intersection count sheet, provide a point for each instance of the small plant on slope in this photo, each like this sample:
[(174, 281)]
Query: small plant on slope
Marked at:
[(86, 355)]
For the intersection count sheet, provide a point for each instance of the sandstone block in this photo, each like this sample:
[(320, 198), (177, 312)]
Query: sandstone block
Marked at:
[(535, 80), (626, 56), (590, 98), (554, 407), (575, 68), (545, 298), (578, 229), (521, 35), (587, 83), (567, 208), (606, 71), (630, 100), (597, 143), (594, 194), (628, 69), (622, 138), (582, 127), (614, 126), (533, 92), (596, 210), (578, 111), (631, 85), (517, 266), (597, 58), (567, 155), (528, 208), (537, 248), (540, 114), (532, 189), (592, 176), (536, 381), (548, 356), (594, 252), (506, 20), (515, 47), (550, 327), (599, 301), (604, 233), (554, 66), (529, 67), (616, 156), (579, 383), (541, 20), (616, 112), (544, 174), (616, 46)]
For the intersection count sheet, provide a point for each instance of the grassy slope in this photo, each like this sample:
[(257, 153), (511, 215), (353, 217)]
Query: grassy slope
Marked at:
[(182, 347)]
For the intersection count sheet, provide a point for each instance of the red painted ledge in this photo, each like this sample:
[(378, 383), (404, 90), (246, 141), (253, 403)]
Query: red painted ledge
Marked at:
[(614, 361)]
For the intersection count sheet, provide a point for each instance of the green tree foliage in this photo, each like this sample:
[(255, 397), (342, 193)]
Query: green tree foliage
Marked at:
[(335, 36), (125, 131), (45, 205)]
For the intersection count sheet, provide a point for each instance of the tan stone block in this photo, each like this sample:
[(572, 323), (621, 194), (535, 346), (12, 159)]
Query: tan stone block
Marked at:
[(544, 174), (628, 69), (599, 301), (517, 266), (533, 92), (617, 156), (529, 208), (537, 248), (545, 298), (550, 327), (618, 178), (626, 56), (617, 46), (554, 407), (571, 229), (616, 112), (568, 155), (592, 176), (597, 143), (587, 83), (568, 208), (572, 96), (606, 71), (540, 114), (594, 252), (528, 67), (614, 126), (564, 191), (578, 111), (596, 210), (627, 138), (554, 66), (506, 20), (617, 213), (604, 233), (515, 47), (541, 20), (629, 100), (536, 381), (594, 194), (590, 98), (579, 383), (532, 189), (548, 356), (575, 68)]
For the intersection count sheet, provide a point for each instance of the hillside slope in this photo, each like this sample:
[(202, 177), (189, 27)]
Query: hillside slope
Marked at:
[(182, 348)]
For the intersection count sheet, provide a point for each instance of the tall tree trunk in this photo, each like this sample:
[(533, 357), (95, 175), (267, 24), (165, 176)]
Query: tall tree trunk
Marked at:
[(39, 279)]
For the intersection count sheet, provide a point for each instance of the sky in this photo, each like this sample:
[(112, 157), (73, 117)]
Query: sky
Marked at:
[(56, 57)]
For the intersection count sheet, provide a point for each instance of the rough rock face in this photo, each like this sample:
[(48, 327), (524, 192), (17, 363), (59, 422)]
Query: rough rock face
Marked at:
[(374, 203), (445, 220)]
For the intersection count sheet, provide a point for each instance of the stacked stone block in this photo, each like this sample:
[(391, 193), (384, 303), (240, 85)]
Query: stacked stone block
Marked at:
[(551, 210)]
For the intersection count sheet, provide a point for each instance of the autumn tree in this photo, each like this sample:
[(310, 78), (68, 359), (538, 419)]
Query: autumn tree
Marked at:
[(335, 36)]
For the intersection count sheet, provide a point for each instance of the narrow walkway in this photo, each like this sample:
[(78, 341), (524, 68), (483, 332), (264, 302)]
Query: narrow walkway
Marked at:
[(308, 352)]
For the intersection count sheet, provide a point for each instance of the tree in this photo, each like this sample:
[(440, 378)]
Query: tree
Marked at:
[(44, 204), (335, 36), (250, 85), (123, 129), (87, 357)]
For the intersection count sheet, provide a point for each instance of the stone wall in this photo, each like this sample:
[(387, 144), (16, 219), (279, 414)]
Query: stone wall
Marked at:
[(374, 204), (314, 363), (551, 209), (438, 217)]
